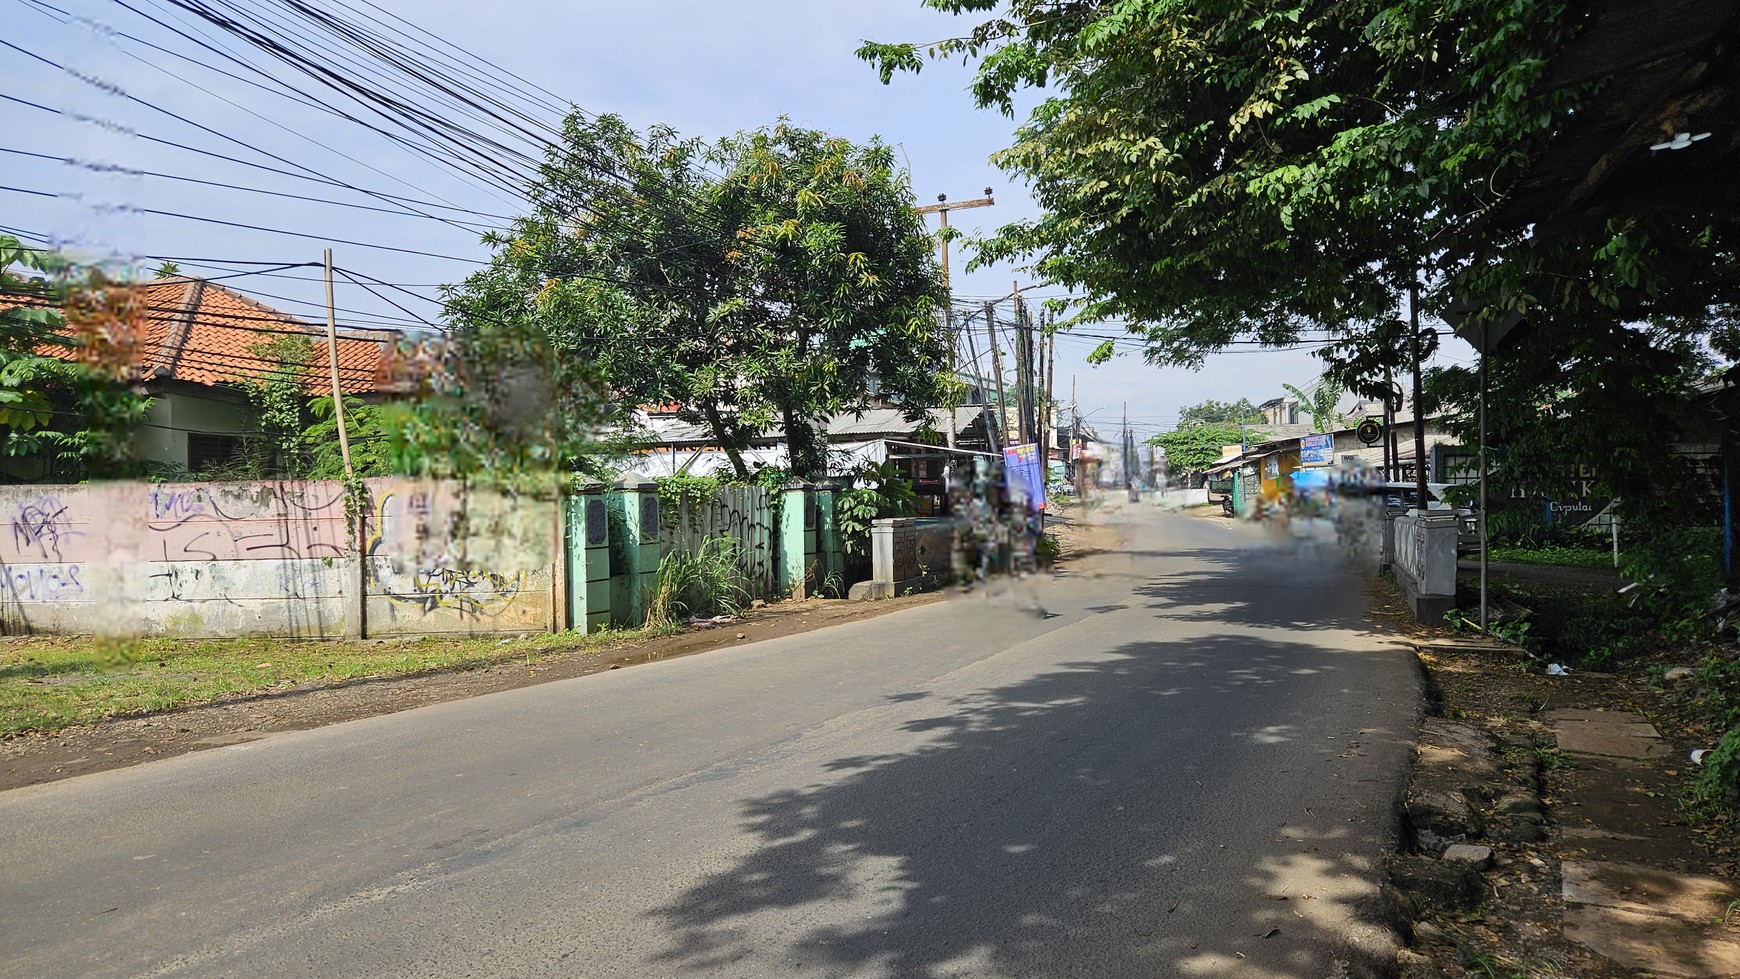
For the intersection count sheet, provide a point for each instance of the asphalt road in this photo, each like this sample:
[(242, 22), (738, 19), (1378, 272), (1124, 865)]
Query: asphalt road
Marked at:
[(1186, 767)]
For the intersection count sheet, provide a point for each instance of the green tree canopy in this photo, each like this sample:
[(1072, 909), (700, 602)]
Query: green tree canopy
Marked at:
[(1210, 172), (1212, 412), (73, 413), (837, 275), (605, 296), (763, 280), (1215, 172), (1196, 446)]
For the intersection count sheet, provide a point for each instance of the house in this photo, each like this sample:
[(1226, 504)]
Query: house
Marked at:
[(191, 343)]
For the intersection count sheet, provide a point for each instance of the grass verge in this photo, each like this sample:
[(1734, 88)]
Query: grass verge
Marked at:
[(1575, 557), (50, 683)]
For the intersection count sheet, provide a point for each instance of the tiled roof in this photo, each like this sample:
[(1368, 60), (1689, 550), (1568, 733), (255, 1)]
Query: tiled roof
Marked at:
[(200, 332)]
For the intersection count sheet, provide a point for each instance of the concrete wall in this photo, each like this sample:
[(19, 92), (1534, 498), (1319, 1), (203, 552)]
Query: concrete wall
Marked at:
[(907, 554), (127, 559), (1424, 562), (1182, 497), (298, 560), (272, 558), (443, 558)]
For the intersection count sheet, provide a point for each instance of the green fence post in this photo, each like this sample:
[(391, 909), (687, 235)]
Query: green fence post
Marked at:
[(649, 552), (830, 550), (635, 551), (588, 547), (794, 549), (624, 555)]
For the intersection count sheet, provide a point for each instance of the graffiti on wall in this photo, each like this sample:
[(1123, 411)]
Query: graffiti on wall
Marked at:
[(413, 562), (742, 513), (45, 582), (40, 525), (269, 557), (41, 564), (248, 522)]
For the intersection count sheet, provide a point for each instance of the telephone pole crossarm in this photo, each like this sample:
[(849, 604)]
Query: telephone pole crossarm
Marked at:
[(945, 206)]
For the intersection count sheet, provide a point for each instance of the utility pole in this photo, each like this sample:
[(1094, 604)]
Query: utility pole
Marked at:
[(1392, 452), (1075, 443), (356, 615), (1419, 416), (1126, 453), (332, 360), (1046, 434), (941, 208), (997, 371), (1023, 366), (993, 435)]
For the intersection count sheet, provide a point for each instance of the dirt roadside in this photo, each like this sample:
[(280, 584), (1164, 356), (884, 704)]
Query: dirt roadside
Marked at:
[(1508, 920)]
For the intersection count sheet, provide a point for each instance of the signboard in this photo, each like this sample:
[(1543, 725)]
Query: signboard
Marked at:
[(1272, 467), (1317, 450), (1025, 478), (1370, 431)]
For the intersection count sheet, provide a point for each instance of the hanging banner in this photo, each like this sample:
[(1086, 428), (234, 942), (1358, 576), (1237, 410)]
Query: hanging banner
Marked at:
[(1317, 450), (1023, 475)]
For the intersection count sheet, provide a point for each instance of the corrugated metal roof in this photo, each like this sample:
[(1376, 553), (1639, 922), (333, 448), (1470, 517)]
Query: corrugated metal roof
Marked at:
[(847, 427)]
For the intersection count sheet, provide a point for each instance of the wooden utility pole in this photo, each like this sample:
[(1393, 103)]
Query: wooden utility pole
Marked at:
[(356, 576), (1045, 426), (332, 360), (941, 208), (997, 371)]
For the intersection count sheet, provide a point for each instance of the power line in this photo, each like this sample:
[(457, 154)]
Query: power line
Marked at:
[(67, 17), (95, 167)]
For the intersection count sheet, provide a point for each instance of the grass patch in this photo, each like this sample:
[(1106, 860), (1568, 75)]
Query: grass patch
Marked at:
[(1573, 557), (50, 683)]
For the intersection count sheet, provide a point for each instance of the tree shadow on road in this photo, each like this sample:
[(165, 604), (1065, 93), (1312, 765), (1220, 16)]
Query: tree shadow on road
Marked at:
[(1099, 818), (1297, 586)]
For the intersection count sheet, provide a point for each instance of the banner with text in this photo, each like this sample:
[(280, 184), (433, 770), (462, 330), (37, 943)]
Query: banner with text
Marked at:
[(1024, 475)]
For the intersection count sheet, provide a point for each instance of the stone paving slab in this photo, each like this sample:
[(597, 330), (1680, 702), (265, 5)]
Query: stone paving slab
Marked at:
[(1654, 943), (1637, 914), (1609, 734), (1645, 889), (1451, 747)]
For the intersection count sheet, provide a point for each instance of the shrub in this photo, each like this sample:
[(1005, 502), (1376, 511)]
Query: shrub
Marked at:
[(884, 494), (1716, 786), (704, 582)]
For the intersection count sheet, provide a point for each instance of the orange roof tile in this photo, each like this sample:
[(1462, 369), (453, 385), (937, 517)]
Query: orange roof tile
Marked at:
[(201, 332)]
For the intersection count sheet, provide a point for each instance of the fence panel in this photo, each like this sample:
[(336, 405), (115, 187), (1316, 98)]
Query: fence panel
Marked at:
[(743, 513)]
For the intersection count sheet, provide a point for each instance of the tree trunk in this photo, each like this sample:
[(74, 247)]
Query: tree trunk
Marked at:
[(727, 440), (800, 441), (800, 438)]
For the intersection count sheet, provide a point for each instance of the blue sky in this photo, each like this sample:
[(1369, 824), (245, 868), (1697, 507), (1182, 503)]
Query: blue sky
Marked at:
[(705, 68)]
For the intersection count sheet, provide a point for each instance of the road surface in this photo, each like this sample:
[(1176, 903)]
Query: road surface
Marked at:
[(1185, 766)]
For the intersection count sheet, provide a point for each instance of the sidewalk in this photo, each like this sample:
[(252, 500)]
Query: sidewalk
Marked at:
[(1543, 834), (1627, 895)]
